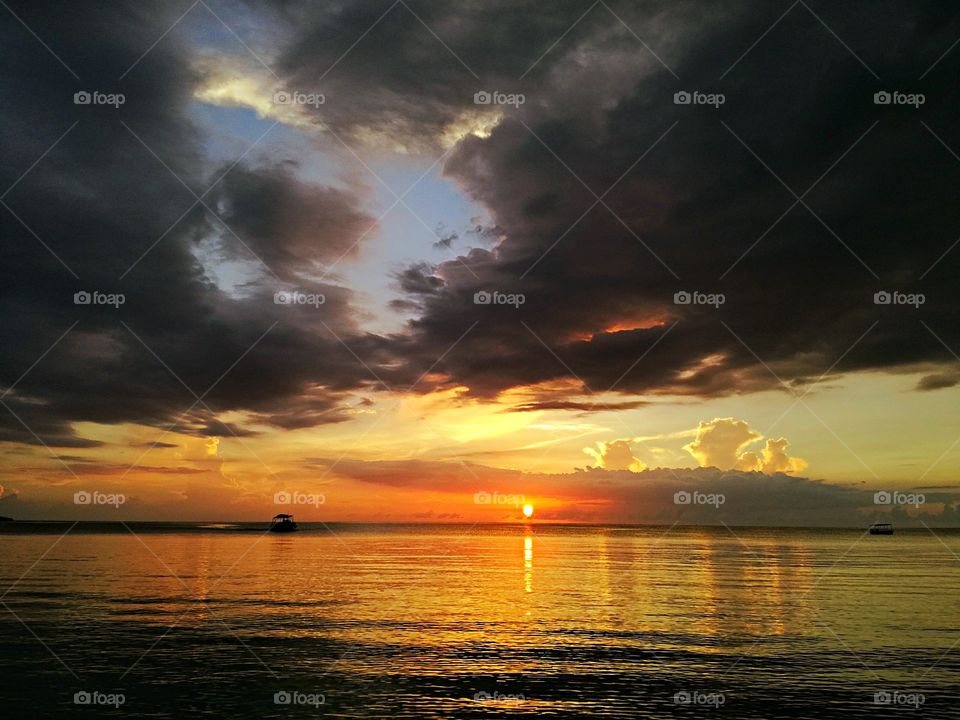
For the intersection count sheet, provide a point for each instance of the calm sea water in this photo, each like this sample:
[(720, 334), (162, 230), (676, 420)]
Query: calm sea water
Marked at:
[(421, 621)]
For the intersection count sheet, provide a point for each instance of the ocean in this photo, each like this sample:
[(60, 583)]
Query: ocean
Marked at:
[(175, 620)]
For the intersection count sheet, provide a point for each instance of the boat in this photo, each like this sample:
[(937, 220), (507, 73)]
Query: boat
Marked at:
[(879, 528), (282, 523)]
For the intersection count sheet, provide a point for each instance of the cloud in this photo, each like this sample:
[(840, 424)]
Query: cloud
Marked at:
[(94, 468), (649, 496), (689, 207), (296, 228), (421, 473), (584, 407), (446, 237), (615, 455), (418, 279), (773, 459), (116, 220), (692, 208), (939, 381), (721, 443), (240, 81)]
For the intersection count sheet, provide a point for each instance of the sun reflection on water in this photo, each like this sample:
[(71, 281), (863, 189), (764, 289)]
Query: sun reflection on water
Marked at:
[(528, 563)]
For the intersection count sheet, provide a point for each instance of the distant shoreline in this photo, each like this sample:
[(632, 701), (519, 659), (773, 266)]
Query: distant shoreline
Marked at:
[(253, 525)]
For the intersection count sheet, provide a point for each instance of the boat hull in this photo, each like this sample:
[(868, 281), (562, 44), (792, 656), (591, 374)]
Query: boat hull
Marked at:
[(283, 527)]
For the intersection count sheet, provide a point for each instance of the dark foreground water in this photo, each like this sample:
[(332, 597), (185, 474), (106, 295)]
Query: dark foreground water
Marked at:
[(420, 621)]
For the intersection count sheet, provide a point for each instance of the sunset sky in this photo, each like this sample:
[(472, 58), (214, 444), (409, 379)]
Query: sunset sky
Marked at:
[(221, 180)]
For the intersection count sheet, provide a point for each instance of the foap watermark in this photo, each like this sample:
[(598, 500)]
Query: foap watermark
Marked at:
[(896, 97), (695, 297), (487, 697), (894, 697), (298, 498), (701, 699), (695, 97), (297, 297), (684, 497), (84, 97), (884, 497), (95, 697), (296, 97), (486, 297), (84, 497), (496, 97), (895, 297), (95, 297), (295, 697), (482, 497)]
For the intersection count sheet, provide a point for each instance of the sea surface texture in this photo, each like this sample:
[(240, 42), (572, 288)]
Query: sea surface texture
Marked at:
[(153, 620)]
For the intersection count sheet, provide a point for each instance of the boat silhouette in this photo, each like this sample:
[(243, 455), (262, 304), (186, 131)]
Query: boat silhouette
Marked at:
[(879, 528), (282, 523)]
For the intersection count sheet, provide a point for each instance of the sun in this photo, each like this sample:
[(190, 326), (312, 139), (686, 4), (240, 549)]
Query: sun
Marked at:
[(528, 510)]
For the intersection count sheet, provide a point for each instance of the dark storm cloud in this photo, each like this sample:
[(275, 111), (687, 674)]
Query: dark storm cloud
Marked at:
[(399, 80), (419, 279), (116, 220), (939, 381), (308, 410), (698, 212), (294, 228), (574, 405), (218, 428)]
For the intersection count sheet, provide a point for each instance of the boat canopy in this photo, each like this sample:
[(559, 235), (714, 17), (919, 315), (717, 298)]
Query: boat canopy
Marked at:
[(282, 516)]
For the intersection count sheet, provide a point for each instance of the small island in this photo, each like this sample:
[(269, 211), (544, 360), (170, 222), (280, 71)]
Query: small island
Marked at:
[(5, 519)]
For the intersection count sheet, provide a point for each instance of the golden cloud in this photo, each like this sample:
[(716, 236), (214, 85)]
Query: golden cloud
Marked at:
[(722, 443), (615, 455)]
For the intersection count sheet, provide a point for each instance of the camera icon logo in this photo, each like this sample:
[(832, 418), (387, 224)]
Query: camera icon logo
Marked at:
[(882, 98), (682, 298), (82, 98), (282, 698), (882, 698), (682, 698), (282, 498), (282, 97), (882, 497), (682, 497), (482, 98), (82, 298), (82, 698), (682, 97), (481, 498), (482, 298), (82, 498), (882, 298), (282, 297)]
